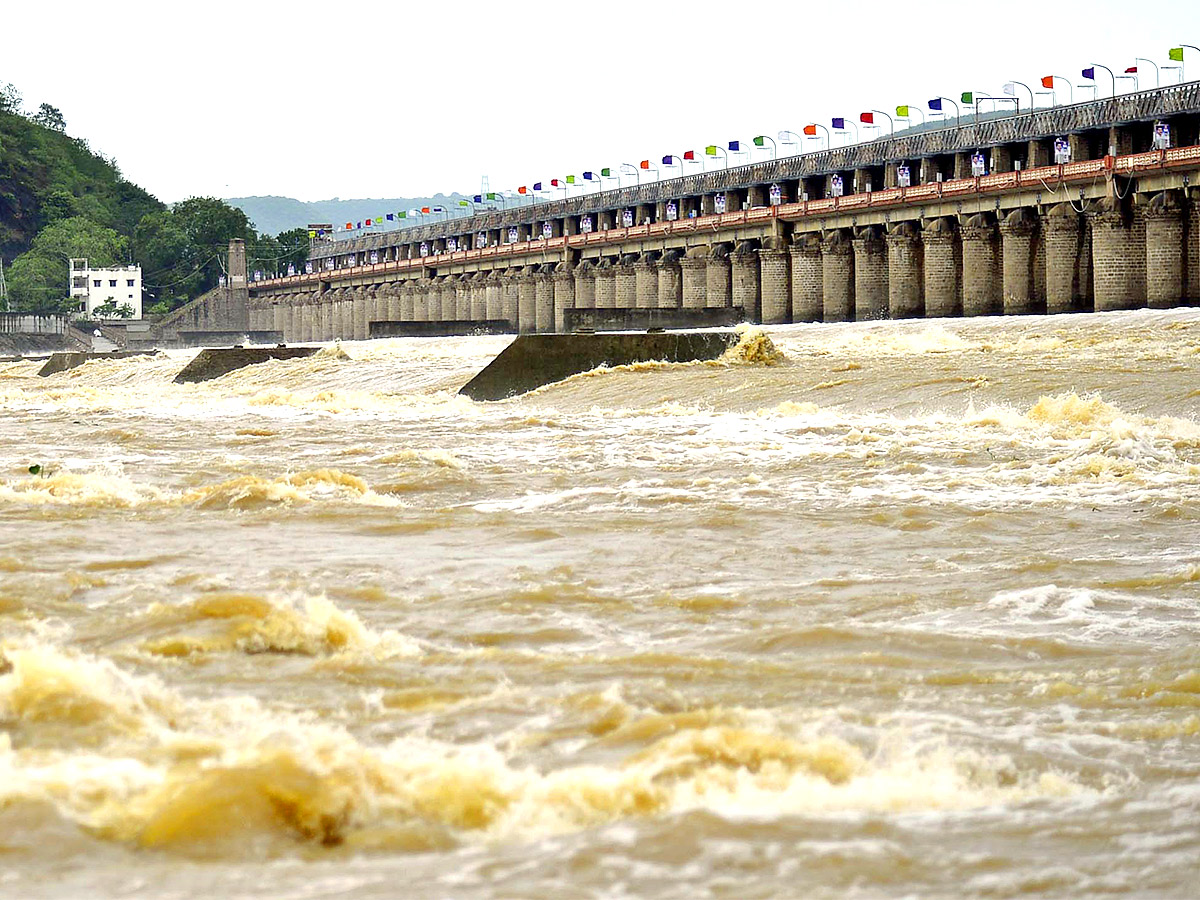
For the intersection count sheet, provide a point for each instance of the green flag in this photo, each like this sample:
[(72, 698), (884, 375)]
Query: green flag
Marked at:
[(463, 203), (491, 196), (902, 112), (606, 173), (402, 215), (570, 179), (711, 149), (759, 141), (968, 97), (1176, 53)]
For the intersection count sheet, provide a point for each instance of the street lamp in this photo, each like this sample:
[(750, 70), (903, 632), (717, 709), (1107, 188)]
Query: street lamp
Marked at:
[(713, 150), (869, 118), (1131, 74), (1138, 59), (1050, 80), (936, 105), (839, 124), (903, 111), (1011, 86), (1090, 73), (1176, 54), (672, 160), (810, 130), (635, 169), (761, 140)]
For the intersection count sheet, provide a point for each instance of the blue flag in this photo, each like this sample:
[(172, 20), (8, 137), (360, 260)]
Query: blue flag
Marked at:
[(537, 185), (1089, 73), (478, 198), (839, 124), (391, 217), (735, 146), (936, 103)]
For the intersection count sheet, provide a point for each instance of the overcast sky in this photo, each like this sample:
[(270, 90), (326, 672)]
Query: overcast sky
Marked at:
[(378, 99)]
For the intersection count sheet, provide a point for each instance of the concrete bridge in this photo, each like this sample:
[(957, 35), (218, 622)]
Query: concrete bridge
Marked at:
[(898, 227)]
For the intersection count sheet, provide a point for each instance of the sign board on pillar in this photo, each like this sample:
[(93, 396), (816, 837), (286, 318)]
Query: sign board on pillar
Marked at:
[(627, 218), (903, 176), (1062, 151), (672, 211), (547, 230), (451, 245), (836, 188), (978, 165), (258, 275), (291, 269), (775, 194), (221, 281), (374, 257), (719, 204), (1162, 136), (308, 268), (512, 235), (481, 240), (424, 248), (329, 263), (585, 224)]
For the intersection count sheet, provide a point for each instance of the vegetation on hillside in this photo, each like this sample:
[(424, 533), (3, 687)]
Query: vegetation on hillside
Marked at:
[(59, 199)]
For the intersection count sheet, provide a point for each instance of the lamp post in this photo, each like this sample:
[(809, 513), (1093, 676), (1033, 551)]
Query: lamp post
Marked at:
[(761, 140), (1138, 59), (1016, 84), (1093, 68), (713, 150), (1128, 76), (1176, 53), (842, 127), (636, 171), (936, 105), (810, 130), (672, 160), (785, 135), (1054, 79), (907, 113), (891, 123)]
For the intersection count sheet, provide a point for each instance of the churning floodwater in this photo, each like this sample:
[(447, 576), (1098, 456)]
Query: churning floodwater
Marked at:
[(878, 609)]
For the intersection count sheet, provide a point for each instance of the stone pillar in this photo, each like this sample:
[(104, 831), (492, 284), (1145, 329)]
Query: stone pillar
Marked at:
[(1164, 252), (808, 290), (981, 293), (564, 294), (1038, 153), (942, 260), (718, 286), (695, 278), (906, 278), (510, 288), (324, 323), (393, 307), (408, 301), (585, 285), (543, 305), (304, 330), (746, 293), (346, 312), (670, 280), (1193, 250), (462, 298), (606, 285), (1060, 230), (1016, 235), (647, 281), (837, 276), (775, 278), (493, 297), (478, 286), (419, 298), (1113, 248), (626, 279), (527, 301), (870, 275), (360, 307)]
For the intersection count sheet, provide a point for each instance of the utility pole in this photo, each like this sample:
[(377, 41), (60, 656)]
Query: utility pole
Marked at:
[(3, 290)]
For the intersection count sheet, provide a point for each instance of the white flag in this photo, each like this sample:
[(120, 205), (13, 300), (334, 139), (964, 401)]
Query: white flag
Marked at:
[(1010, 89)]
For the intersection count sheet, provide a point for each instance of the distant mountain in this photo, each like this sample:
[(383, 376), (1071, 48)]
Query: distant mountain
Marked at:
[(271, 215)]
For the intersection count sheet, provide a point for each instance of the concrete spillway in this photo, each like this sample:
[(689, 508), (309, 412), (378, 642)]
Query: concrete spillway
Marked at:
[(61, 362), (210, 364), (533, 360)]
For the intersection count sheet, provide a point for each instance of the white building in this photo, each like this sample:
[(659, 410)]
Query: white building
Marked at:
[(96, 287)]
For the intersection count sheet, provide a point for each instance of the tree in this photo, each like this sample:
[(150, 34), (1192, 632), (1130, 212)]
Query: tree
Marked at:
[(10, 99), (38, 279), (59, 205), (50, 117)]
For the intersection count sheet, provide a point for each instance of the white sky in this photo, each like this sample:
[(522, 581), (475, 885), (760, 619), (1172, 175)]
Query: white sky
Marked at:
[(376, 99)]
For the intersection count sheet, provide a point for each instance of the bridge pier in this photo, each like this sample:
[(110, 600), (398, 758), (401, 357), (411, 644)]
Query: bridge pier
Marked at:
[(776, 282), (718, 287), (942, 264), (478, 296), (905, 277), (646, 279), (1164, 252), (695, 278), (1016, 236), (627, 282), (807, 279), (837, 276), (527, 300), (564, 294), (606, 284), (745, 287), (585, 285), (1060, 230), (543, 305), (870, 275), (670, 281), (1113, 245), (981, 295)]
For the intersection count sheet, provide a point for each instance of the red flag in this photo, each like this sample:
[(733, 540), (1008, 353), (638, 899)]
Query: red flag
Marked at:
[(553, 182), (691, 154), (1048, 82), (349, 225), (645, 163), (368, 223), (425, 209), (1132, 70), (810, 129), (522, 190), (867, 118)]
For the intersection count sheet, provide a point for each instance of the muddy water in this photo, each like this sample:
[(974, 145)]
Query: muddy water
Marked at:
[(903, 608)]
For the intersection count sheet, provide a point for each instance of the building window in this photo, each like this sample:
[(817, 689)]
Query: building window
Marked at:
[(112, 282), (129, 283), (96, 283)]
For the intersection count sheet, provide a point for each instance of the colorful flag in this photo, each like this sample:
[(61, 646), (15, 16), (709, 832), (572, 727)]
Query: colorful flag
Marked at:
[(867, 118), (391, 218), (491, 196), (402, 215), (690, 154), (711, 150), (810, 130), (1132, 70), (735, 146), (936, 104), (522, 190), (554, 182), (537, 186), (645, 164), (1048, 82), (1175, 54), (967, 97), (439, 209), (478, 198), (589, 176), (1010, 89), (668, 160), (368, 223), (425, 210), (311, 235), (463, 203), (902, 112), (1089, 73), (760, 141), (606, 173), (570, 179), (839, 124), (359, 225), (349, 225)]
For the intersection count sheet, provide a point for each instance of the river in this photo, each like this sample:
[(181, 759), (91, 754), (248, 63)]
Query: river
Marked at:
[(862, 610)]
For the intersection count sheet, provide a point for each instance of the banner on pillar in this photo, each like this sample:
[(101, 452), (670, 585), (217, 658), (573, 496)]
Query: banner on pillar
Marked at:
[(221, 281), (547, 231), (978, 165), (451, 245), (308, 268), (719, 204), (258, 274), (672, 211), (627, 218), (585, 224), (329, 263), (1062, 151), (424, 248), (291, 269), (1162, 136), (903, 176), (481, 240), (374, 257), (836, 187), (775, 194), (512, 235)]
